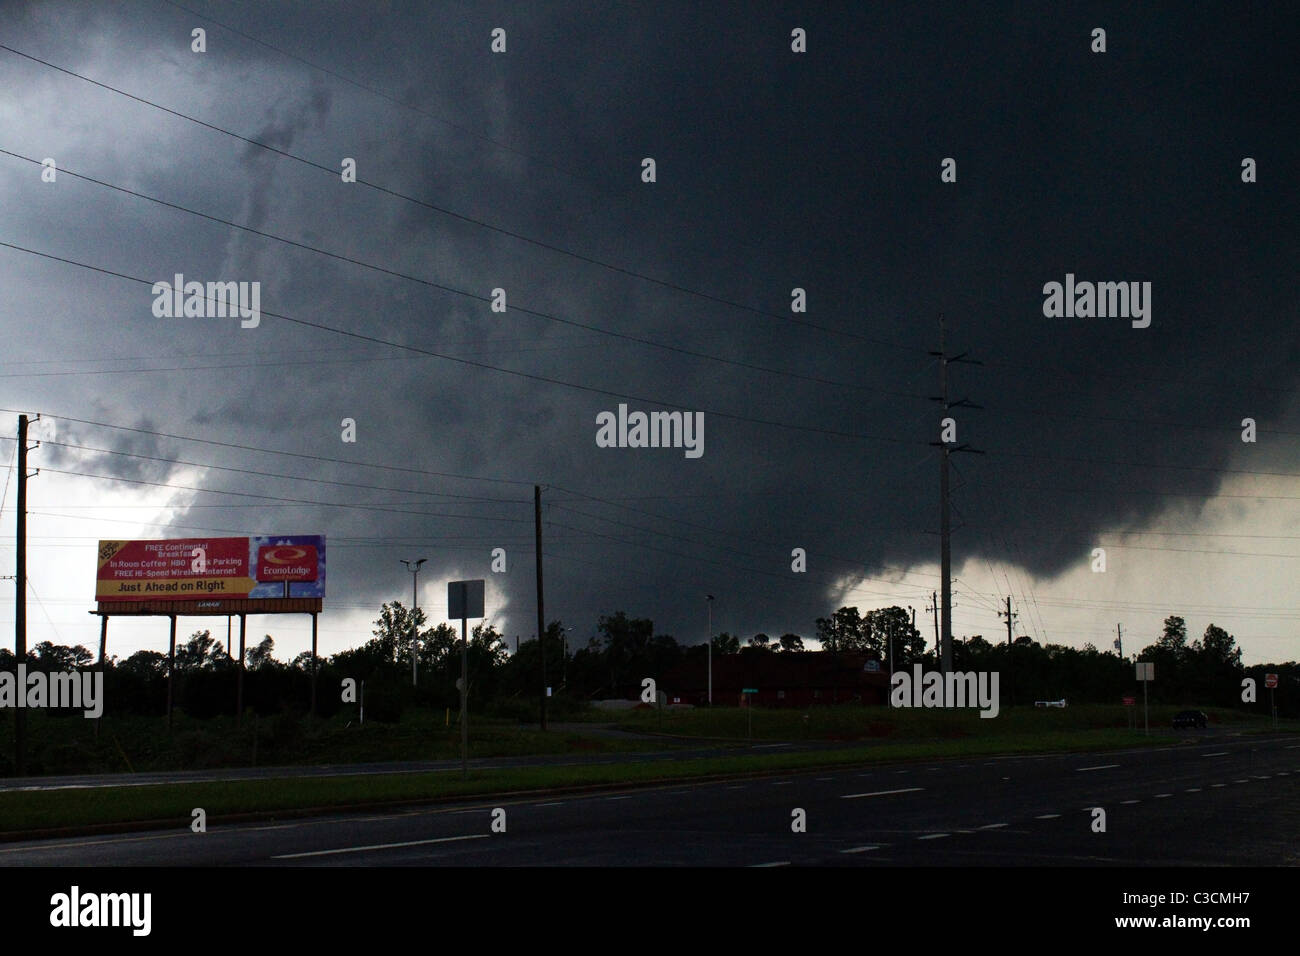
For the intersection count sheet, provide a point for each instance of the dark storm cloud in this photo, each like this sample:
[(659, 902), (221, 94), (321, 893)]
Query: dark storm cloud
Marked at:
[(774, 171)]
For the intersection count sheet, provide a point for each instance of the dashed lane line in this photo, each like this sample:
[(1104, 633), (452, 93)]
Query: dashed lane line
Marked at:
[(879, 793), (380, 846)]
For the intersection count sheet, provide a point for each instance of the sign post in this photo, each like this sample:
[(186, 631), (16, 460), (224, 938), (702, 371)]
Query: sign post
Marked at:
[(1270, 681), (1128, 710), (464, 600), (1146, 672), (749, 707)]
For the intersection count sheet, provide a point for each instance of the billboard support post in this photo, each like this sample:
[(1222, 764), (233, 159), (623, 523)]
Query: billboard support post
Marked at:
[(103, 645), (313, 664), (239, 677), (171, 668)]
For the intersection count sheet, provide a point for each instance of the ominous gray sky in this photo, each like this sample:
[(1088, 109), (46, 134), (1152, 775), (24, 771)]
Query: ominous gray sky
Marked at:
[(775, 170)]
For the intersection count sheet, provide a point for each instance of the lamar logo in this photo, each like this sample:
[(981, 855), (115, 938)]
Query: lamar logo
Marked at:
[(216, 300), (102, 909)]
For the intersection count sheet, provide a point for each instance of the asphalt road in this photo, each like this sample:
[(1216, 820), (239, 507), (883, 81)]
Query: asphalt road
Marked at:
[(1222, 801)]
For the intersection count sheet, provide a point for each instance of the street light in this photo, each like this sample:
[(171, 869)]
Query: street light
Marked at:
[(414, 568), (709, 599)]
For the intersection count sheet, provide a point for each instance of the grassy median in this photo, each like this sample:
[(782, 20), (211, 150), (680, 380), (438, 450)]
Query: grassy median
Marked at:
[(64, 810)]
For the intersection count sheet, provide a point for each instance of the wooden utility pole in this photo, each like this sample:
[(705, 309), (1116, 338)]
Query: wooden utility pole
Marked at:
[(541, 614)]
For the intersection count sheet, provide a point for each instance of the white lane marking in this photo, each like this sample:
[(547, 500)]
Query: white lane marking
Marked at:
[(879, 793), (1292, 747), (1047, 816), (557, 804), (1105, 766), (1218, 785), (991, 826), (1241, 781), (902, 771), (1006, 778), (1221, 753), (1159, 795), (1129, 801), (735, 788), (860, 849), (824, 779), (760, 866), (458, 812), (932, 836), (380, 846), (619, 798), (763, 746), (1282, 773), (783, 783), (1262, 776), (1192, 790)]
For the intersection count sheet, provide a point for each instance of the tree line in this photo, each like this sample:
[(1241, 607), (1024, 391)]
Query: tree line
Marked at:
[(612, 663)]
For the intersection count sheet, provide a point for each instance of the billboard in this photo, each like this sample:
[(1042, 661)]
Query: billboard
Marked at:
[(211, 569)]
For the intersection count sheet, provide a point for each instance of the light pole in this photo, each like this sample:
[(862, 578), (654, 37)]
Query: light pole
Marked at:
[(564, 656), (414, 568), (709, 600)]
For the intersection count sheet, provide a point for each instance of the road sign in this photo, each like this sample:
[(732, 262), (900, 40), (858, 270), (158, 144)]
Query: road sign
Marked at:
[(464, 599), (1270, 680), (749, 690), (1146, 671), (1129, 701)]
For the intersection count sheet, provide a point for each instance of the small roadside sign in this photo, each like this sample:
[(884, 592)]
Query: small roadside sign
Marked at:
[(749, 690), (1146, 671), (1270, 680), (1129, 701)]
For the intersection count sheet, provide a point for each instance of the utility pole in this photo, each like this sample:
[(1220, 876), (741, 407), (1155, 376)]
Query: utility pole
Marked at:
[(709, 601), (945, 531), (1009, 617), (1119, 641), (20, 589), (541, 614)]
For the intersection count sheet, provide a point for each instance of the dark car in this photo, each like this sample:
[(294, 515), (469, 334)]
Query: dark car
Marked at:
[(1189, 718)]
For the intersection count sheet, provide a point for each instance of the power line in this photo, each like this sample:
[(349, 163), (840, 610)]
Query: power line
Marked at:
[(279, 498), (552, 317), (471, 220), (496, 368)]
